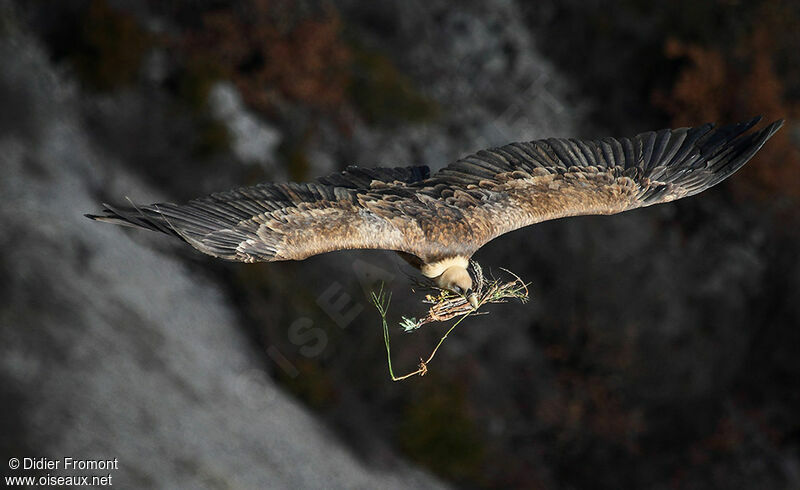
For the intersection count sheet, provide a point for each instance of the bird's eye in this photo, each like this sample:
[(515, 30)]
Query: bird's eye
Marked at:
[(458, 290)]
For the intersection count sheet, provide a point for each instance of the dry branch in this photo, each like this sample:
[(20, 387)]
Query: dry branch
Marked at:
[(446, 306)]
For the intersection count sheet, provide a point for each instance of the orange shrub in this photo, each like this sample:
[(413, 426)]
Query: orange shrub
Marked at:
[(734, 85), (268, 51)]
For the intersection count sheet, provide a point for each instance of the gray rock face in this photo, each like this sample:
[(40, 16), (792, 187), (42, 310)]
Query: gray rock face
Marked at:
[(111, 349), (253, 141), (658, 348), (479, 63)]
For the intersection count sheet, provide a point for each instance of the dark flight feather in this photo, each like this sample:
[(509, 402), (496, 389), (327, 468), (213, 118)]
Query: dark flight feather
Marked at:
[(460, 208)]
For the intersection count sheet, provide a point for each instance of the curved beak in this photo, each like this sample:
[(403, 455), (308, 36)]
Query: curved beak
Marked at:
[(472, 298)]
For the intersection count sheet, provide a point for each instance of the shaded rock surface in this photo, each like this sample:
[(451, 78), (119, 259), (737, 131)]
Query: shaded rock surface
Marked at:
[(659, 347), (114, 349)]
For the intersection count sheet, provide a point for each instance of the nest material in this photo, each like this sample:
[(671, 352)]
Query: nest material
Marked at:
[(447, 305)]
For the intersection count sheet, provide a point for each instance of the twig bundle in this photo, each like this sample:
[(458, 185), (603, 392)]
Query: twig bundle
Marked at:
[(447, 305)]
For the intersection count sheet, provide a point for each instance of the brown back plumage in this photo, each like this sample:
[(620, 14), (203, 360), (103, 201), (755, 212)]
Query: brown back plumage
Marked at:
[(460, 208)]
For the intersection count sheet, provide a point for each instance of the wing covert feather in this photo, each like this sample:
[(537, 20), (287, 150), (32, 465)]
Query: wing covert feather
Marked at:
[(526, 183), (460, 208), (272, 222)]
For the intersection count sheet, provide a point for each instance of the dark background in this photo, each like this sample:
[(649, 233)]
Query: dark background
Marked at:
[(659, 348)]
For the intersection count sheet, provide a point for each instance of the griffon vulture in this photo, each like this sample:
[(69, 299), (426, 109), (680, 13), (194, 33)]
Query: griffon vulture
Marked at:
[(437, 222)]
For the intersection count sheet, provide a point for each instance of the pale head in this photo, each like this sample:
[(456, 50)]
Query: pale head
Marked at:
[(457, 279)]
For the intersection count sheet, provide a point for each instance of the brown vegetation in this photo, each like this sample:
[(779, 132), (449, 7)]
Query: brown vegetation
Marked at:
[(717, 85), (268, 51), (106, 46)]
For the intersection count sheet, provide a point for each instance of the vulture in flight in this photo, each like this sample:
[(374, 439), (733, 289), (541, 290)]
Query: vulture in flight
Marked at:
[(436, 222)]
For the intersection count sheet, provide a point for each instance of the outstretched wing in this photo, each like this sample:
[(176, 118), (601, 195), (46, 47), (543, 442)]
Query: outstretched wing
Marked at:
[(460, 208), (520, 184), (271, 222)]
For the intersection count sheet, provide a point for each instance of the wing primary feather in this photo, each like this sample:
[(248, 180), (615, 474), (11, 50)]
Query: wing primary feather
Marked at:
[(648, 141), (461, 207), (630, 157), (586, 150), (660, 146), (688, 144), (619, 153)]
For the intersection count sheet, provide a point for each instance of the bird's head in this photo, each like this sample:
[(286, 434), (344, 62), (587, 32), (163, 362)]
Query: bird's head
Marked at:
[(458, 280)]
